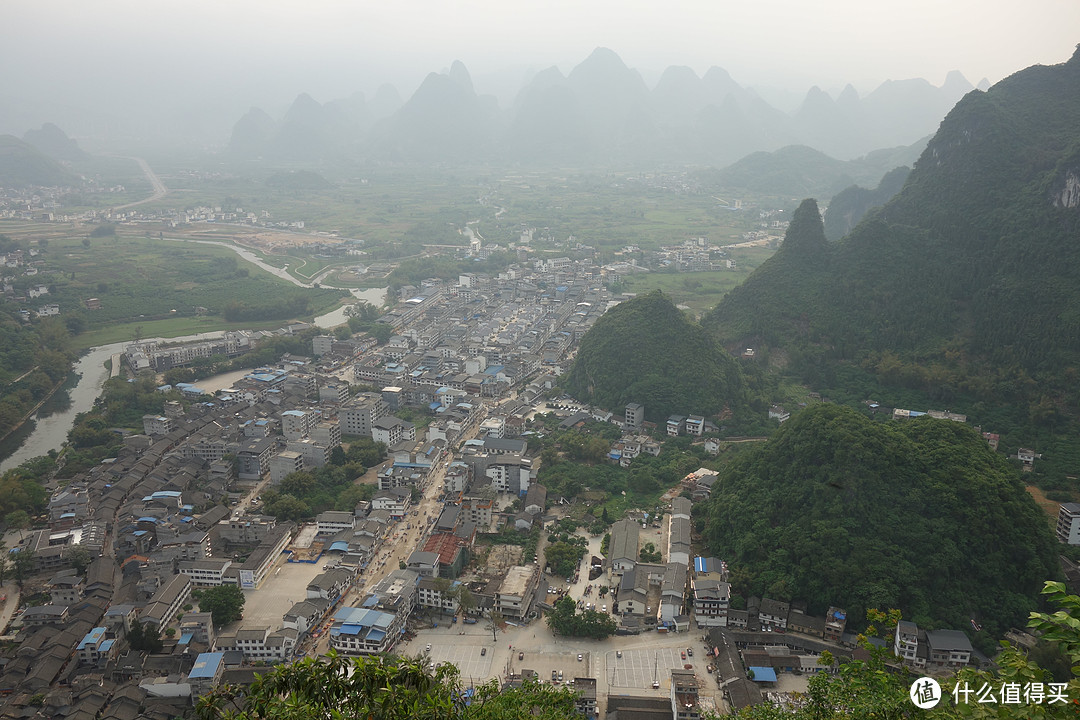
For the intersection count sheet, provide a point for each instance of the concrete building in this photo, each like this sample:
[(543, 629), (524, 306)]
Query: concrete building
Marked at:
[(285, 463), (96, 647), (327, 434), (1068, 523), (515, 594), (167, 601), (684, 695), (296, 424), (623, 548), (364, 631), (712, 600), (358, 415), (331, 522), (253, 458), (390, 430), (157, 425), (205, 573)]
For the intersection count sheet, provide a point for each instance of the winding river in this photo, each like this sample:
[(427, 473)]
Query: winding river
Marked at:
[(51, 431)]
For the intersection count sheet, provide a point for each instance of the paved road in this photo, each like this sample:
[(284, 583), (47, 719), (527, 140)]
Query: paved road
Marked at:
[(159, 192), (402, 541)]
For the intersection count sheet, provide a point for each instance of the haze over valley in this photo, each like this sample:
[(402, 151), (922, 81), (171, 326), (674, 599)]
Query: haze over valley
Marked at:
[(486, 360)]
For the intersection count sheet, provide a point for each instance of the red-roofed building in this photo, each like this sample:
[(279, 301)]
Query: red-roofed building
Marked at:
[(452, 553)]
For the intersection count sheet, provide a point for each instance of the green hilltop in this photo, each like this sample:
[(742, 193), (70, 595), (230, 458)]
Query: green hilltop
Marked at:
[(921, 515), (963, 286), (646, 350)]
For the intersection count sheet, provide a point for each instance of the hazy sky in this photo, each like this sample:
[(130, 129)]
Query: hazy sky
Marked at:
[(266, 51)]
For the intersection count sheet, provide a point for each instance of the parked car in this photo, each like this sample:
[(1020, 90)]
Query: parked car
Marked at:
[(683, 654), (580, 657), (618, 653), (690, 652), (483, 651), (521, 656)]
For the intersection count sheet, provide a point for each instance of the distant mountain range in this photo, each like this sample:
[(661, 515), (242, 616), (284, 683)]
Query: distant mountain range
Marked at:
[(22, 164), (602, 111)]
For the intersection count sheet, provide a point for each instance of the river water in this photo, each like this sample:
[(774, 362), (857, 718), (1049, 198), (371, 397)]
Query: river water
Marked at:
[(50, 432), (374, 296)]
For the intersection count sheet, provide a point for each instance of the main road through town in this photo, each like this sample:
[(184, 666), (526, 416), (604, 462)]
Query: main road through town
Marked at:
[(401, 541)]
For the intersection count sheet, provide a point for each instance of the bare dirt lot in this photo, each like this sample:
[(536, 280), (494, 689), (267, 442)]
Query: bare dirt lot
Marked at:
[(1050, 507)]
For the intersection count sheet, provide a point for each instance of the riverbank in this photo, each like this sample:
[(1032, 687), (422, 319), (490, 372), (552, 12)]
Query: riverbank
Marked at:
[(33, 410)]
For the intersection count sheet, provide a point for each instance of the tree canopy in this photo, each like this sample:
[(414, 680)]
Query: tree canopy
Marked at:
[(383, 687), (646, 350), (566, 620), (224, 602), (918, 515)]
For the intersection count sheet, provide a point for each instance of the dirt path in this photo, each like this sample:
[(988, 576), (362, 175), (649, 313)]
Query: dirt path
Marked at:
[(1050, 507)]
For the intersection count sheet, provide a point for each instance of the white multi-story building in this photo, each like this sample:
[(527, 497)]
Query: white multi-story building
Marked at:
[(514, 597), (259, 643), (296, 424), (157, 425), (314, 454), (712, 600), (285, 463), (429, 595), (332, 522), (205, 573), (364, 631), (906, 641), (358, 415), (391, 430), (327, 433), (95, 647), (1068, 523)]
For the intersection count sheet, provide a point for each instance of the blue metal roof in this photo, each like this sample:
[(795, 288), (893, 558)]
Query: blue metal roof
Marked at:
[(763, 674), (93, 637), (206, 665)]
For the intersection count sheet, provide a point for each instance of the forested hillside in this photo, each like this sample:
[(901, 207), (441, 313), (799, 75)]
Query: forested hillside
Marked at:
[(23, 164), (961, 287), (646, 351), (850, 205), (920, 516)]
